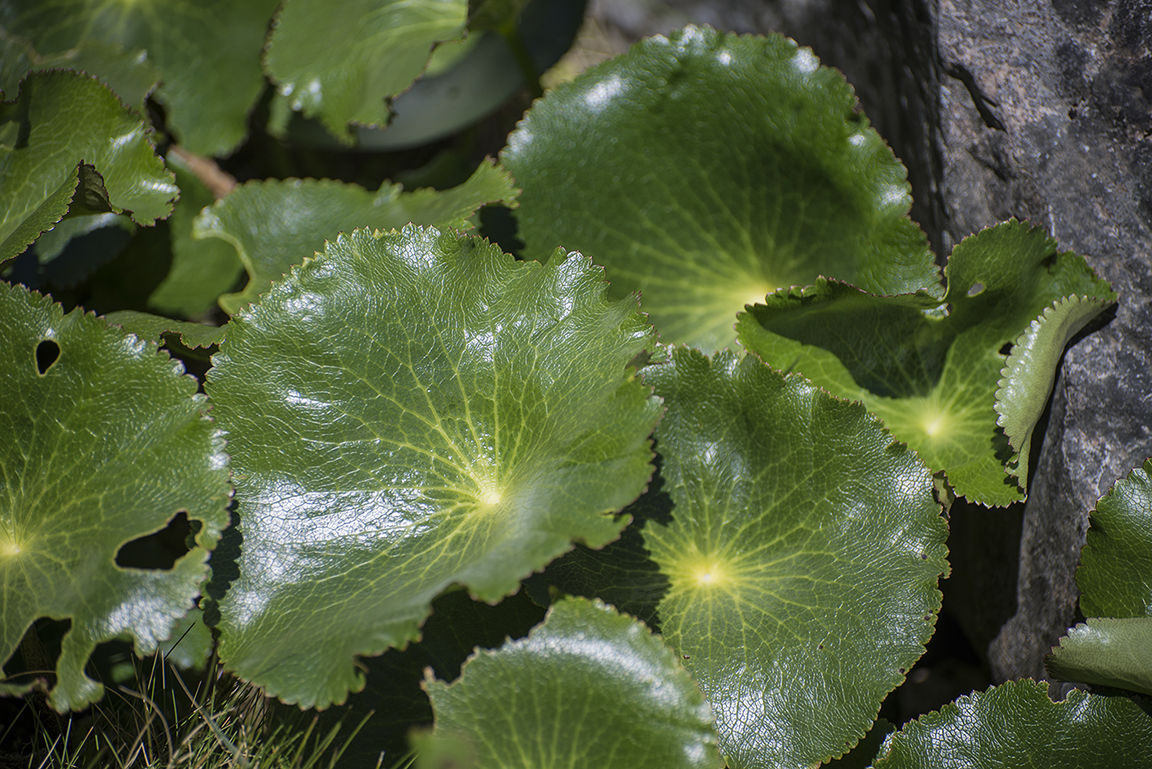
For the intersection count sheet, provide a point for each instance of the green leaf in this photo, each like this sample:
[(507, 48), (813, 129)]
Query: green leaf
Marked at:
[(206, 52), (275, 224), (66, 267), (707, 170), (344, 67), (68, 140), (1106, 652), (190, 643), (202, 269), (105, 444), (588, 688), (1015, 724), (1115, 574), (154, 328), (128, 73), (803, 556), (407, 411), (931, 368)]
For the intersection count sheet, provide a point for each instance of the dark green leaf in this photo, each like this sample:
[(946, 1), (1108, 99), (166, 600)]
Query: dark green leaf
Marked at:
[(1106, 652), (1115, 574), (154, 327)]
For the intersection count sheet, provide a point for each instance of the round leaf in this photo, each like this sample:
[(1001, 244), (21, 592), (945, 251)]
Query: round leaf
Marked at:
[(1015, 724), (61, 122), (1115, 574), (343, 66), (802, 556), (406, 411), (589, 688), (707, 170), (104, 444)]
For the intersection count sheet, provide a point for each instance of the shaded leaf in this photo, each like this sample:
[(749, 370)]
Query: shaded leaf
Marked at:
[(77, 246), (560, 697), (106, 442), (1015, 724), (407, 411), (707, 170), (803, 556), (154, 328), (67, 140), (206, 52), (344, 67), (1115, 573), (1106, 652), (276, 224), (929, 367)]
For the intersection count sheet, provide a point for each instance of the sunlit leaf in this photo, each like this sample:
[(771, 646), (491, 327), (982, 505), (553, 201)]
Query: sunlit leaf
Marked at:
[(588, 689), (105, 442), (803, 556), (706, 170), (407, 411)]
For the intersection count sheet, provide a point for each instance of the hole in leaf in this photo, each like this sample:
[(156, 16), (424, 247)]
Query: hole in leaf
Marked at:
[(1006, 349), (160, 549), (976, 289), (46, 354)]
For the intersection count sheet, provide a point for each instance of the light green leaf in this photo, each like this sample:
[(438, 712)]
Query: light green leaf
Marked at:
[(206, 52), (276, 224), (104, 444), (67, 140), (930, 368), (202, 269), (1016, 725), (802, 556), (1106, 651), (407, 411), (129, 74), (707, 170), (190, 643), (589, 688), (344, 67), (1115, 574), (154, 327)]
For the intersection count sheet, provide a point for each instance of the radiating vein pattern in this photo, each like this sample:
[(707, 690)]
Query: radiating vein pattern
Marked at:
[(435, 412), (802, 555)]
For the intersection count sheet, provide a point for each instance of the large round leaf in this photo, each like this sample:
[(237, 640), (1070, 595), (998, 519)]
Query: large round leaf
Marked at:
[(1115, 574), (103, 444), (707, 170), (410, 410), (588, 689), (803, 555), (935, 369), (1016, 725), (206, 51), (67, 140)]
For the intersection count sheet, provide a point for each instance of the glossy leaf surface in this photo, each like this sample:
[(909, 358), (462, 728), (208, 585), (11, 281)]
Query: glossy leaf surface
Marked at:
[(1015, 724), (1115, 574), (707, 170), (407, 411), (589, 688), (1106, 651), (207, 53), (931, 368), (344, 67), (105, 443), (803, 556), (275, 224), (62, 122)]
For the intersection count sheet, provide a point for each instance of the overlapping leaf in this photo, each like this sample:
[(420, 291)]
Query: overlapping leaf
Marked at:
[(1115, 574), (344, 67), (68, 141), (802, 556), (207, 54), (1015, 724), (406, 411), (707, 170), (931, 368), (275, 224), (1107, 651), (103, 444), (588, 689)]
